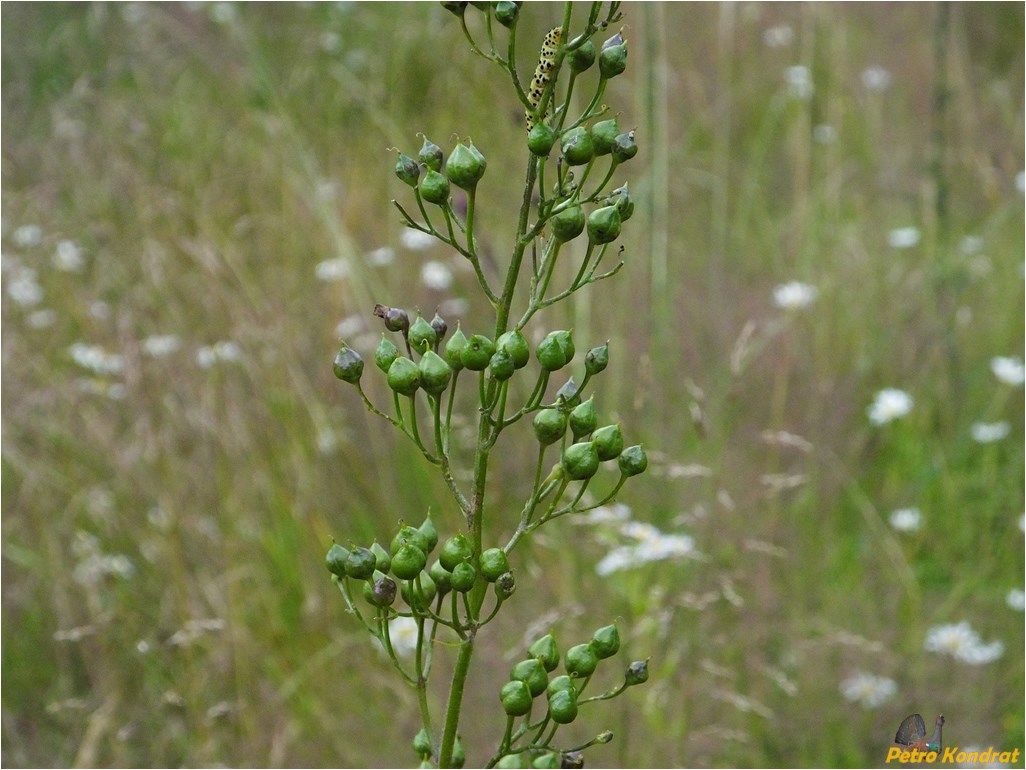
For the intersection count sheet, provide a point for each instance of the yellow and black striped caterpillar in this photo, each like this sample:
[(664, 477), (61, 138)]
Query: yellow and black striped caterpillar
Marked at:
[(546, 62)]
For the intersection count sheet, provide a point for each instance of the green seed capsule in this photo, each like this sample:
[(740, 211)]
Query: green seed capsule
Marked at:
[(463, 577), (422, 744), (465, 166), (454, 349), (383, 558), (637, 673), (403, 377), (580, 661), (442, 577), (336, 560), (506, 12), (493, 564), (501, 366), (572, 760), (565, 340), (583, 419), (559, 684), (419, 591), (567, 224), (430, 155), (478, 353), (395, 318), (434, 373), (606, 641), (533, 674), (408, 534), (441, 327), (581, 461), (434, 188), (361, 563), (624, 148), (546, 651), (568, 394), (563, 707), (515, 343), (540, 139), (459, 754), (546, 760), (455, 550), (380, 590), (597, 359), (408, 562), (608, 441), (516, 698), (578, 146), (624, 202), (407, 170), (505, 586), (549, 426), (421, 335), (348, 365), (613, 57), (603, 225), (430, 532), (385, 354), (550, 353), (603, 134), (633, 460), (583, 57)]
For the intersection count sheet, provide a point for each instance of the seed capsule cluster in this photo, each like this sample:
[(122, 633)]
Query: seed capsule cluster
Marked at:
[(541, 73)]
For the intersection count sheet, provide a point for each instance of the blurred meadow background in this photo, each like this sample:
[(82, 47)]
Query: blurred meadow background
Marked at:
[(818, 336)]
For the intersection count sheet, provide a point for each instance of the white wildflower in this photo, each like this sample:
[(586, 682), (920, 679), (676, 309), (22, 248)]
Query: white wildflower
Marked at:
[(332, 269), (68, 257), (28, 235), (794, 295), (416, 240), (96, 359), (403, 634), (778, 36), (384, 255), (988, 432), (1016, 599), (24, 288), (889, 404), (868, 690), (159, 345), (41, 319), (1008, 369), (903, 237), (961, 642), (907, 519), (876, 78), (436, 275), (799, 82)]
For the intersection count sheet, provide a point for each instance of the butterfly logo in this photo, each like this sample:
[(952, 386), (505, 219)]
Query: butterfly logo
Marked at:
[(912, 733)]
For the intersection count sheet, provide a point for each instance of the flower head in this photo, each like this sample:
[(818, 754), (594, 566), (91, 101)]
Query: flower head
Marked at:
[(961, 642), (794, 295), (868, 690), (907, 519), (987, 432), (1016, 599), (1008, 370), (903, 237), (889, 404)]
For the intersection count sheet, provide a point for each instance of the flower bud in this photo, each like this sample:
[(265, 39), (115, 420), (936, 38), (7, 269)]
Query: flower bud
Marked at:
[(549, 426), (608, 441), (568, 395), (478, 353), (383, 559), (624, 148), (463, 577), (442, 577), (505, 586), (506, 12), (581, 461), (455, 550), (578, 146), (403, 377), (493, 564), (562, 706), (580, 661), (408, 562), (361, 563), (408, 534), (454, 349), (624, 202), (422, 744), (633, 460), (540, 139), (603, 134), (606, 641), (336, 560), (546, 651), (582, 57), (637, 673), (515, 343), (533, 674), (516, 698), (407, 170), (613, 58), (583, 419), (567, 224), (440, 326), (597, 359), (434, 373), (434, 188), (465, 166), (385, 354), (572, 760), (603, 225), (421, 335), (419, 591), (431, 154), (501, 365), (559, 683), (380, 591)]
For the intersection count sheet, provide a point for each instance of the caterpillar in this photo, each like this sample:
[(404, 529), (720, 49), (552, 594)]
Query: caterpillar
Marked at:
[(546, 62)]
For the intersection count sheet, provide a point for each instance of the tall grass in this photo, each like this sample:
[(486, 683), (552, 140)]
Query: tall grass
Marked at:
[(203, 160)]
